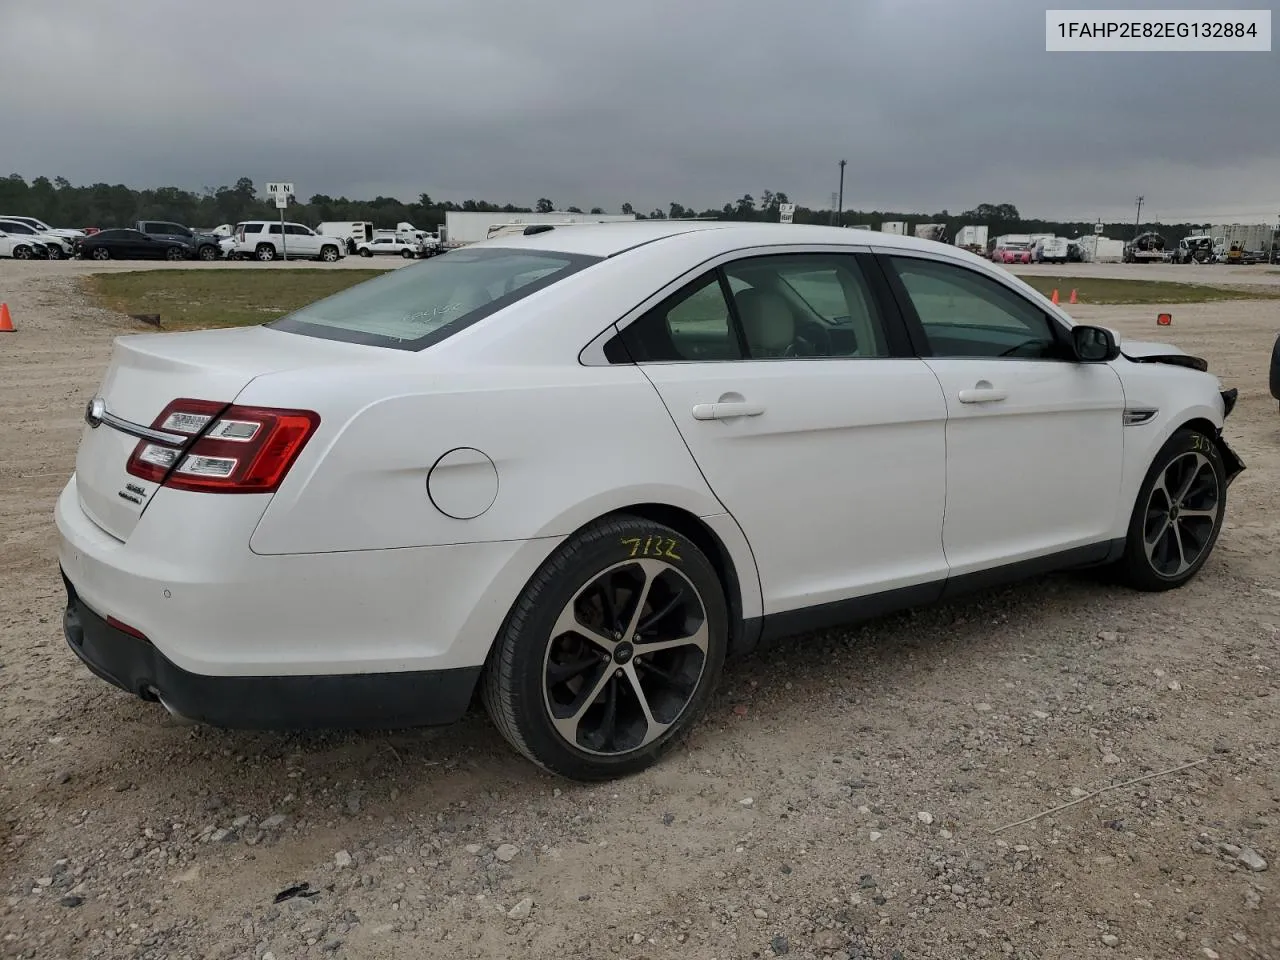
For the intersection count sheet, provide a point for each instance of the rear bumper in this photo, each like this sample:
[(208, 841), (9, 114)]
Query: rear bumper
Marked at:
[(299, 702)]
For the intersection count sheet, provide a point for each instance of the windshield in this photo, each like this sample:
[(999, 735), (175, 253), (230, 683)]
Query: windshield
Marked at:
[(416, 306)]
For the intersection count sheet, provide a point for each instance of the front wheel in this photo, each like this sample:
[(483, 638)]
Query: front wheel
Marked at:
[(329, 254), (266, 252), (55, 252), (1178, 515), (611, 651), (208, 253), (101, 253)]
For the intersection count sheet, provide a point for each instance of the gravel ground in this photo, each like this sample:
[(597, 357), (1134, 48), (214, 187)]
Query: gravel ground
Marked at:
[(840, 800)]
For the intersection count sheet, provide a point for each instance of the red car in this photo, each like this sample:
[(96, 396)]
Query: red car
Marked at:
[(1012, 253)]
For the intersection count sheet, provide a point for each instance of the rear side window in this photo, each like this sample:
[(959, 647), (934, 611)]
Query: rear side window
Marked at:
[(416, 306)]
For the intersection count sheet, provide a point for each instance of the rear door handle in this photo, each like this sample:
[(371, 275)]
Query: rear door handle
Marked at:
[(987, 394), (726, 410)]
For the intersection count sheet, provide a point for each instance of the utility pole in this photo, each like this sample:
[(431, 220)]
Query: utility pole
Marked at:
[(1137, 219), (840, 203)]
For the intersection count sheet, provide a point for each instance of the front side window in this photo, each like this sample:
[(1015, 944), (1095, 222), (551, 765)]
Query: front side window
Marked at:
[(965, 314), (420, 305), (296, 230)]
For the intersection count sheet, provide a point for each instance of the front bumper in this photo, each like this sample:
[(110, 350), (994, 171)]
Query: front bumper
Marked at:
[(298, 702)]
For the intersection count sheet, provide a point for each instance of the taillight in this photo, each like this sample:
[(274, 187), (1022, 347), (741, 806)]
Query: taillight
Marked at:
[(224, 448)]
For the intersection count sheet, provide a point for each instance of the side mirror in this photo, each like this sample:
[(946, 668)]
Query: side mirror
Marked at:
[(1094, 344)]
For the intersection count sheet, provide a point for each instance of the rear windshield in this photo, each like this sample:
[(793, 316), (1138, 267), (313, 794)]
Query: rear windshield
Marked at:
[(415, 306)]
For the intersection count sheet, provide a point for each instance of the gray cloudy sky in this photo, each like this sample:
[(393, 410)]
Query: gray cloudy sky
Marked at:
[(935, 103)]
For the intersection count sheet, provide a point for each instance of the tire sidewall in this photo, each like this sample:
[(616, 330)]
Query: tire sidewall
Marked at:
[(528, 633), (1184, 440)]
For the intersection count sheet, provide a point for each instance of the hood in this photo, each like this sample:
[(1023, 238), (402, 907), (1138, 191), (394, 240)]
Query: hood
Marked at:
[(1143, 351)]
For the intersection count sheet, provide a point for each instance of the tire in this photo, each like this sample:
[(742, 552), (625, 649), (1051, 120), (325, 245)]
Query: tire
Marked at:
[(55, 253), (329, 253), (21, 253), (407, 254), (208, 253), (101, 253), (265, 252), (366, 252), (174, 253), (572, 581), (1192, 455)]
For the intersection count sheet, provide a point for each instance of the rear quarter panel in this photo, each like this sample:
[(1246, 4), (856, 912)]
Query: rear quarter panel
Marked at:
[(568, 444)]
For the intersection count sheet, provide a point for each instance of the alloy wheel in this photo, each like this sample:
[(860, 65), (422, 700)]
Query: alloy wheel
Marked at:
[(1182, 513), (626, 657)]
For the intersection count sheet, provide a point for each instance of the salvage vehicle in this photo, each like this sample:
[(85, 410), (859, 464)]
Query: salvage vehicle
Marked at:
[(572, 471), (126, 244), (1144, 248)]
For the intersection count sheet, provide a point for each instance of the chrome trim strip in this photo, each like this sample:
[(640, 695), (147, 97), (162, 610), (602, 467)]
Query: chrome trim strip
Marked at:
[(143, 433)]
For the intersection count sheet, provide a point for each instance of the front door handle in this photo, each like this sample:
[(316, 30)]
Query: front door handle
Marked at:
[(726, 410), (982, 392)]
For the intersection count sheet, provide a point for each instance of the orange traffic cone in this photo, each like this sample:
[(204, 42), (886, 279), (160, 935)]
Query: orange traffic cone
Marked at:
[(1073, 296), (6, 321), (1055, 294)]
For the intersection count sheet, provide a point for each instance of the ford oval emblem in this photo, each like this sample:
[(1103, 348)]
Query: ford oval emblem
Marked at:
[(94, 410)]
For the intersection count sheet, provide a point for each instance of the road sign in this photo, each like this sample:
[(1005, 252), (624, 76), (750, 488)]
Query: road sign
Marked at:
[(279, 189), (1097, 228), (282, 200), (786, 212)]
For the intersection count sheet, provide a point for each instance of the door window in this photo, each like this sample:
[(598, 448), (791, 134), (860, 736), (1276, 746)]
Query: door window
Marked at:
[(806, 305), (965, 314), (296, 230), (693, 324)]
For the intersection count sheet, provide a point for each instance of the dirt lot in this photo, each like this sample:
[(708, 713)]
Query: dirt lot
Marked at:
[(838, 801)]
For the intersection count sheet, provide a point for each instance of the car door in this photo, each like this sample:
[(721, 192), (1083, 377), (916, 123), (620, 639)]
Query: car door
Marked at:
[(813, 425), (302, 241), (1034, 437)]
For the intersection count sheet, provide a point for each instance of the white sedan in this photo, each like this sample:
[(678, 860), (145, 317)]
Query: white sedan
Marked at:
[(573, 471), (389, 246)]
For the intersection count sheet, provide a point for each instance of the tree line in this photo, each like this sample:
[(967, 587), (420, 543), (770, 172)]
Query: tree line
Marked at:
[(60, 203)]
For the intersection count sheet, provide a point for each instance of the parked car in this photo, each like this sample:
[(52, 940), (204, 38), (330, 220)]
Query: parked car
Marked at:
[(542, 467), (66, 233), (56, 247), (1012, 253), (262, 240), (389, 246), (204, 246), (21, 246), (127, 244), (1051, 250)]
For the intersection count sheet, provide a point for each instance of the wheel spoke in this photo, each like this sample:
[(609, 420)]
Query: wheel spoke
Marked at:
[(608, 728), (1188, 514), (568, 726), (558, 673), (1182, 554), (651, 568), (653, 728), (568, 622), (699, 638), (1197, 465), (656, 616)]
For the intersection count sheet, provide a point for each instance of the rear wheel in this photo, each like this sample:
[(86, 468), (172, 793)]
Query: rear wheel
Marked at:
[(1178, 514), (174, 253), (407, 254), (366, 252), (610, 653)]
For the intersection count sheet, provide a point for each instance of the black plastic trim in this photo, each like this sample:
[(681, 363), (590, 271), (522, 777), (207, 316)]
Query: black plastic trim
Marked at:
[(317, 701), (1275, 369), (759, 631)]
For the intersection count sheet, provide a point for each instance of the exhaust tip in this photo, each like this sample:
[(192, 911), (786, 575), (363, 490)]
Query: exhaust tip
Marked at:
[(179, 719)]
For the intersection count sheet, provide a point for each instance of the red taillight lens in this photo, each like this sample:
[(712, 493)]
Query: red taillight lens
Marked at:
[(229, 449)]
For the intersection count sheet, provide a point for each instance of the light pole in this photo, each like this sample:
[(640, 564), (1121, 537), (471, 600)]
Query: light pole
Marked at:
[(840, 203)]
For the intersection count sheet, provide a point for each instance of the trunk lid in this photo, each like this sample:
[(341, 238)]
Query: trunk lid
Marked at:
[(146, 372)]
